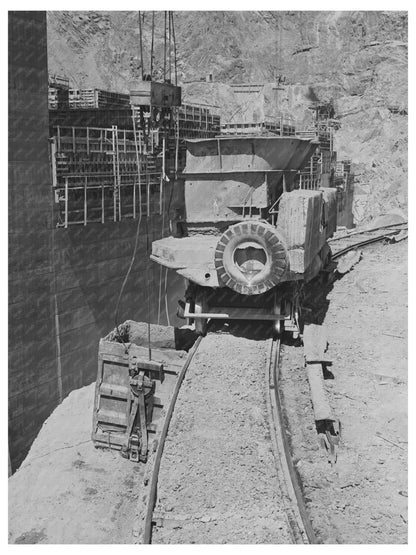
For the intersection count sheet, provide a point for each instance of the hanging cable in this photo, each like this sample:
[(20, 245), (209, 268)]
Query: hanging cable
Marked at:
[(174, 52), (133, 258), (152, 47), (136, 239), (164, 51), (170, 48), (141, 44)]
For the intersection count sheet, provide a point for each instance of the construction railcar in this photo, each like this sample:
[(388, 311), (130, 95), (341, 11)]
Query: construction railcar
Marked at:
[(249, 238)]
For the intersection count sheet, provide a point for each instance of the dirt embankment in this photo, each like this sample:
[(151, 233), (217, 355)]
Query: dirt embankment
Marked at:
[(218, 470), (363, 498), (66, 491)]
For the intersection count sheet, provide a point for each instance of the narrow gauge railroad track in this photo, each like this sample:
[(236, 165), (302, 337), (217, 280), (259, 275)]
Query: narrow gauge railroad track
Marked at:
[(282, 489), (300, 522), (343, 244)]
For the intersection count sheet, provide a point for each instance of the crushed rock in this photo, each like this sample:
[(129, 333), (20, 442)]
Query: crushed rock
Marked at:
[(218, 462)]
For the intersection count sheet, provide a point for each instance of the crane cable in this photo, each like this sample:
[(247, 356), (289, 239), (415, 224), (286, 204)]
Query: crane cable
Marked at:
[(138, 162), (171, 39), (164, 51), (174, 51), (141, 44), (152, 47)]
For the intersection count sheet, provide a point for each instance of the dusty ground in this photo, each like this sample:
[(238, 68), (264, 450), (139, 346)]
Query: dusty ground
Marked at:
[(218, 479), (218, 482), (363, 498), (66, 491)]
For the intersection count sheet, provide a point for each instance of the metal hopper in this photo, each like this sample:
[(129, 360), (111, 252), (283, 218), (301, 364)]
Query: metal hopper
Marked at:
[(225, 176)]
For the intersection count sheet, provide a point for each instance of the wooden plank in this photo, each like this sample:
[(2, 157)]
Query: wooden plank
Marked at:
[(321, 407), (111, 417), (114, 390), (166, 356), (315, 344)]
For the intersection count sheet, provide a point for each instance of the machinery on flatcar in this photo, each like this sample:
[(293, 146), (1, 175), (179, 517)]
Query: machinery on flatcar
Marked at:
[(250, 239)]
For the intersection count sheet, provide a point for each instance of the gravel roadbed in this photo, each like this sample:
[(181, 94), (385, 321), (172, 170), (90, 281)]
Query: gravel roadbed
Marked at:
[(363, 497), (218, 481)]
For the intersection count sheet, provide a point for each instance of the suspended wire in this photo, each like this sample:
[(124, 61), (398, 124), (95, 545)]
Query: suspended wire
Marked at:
[(116, 322), (170, 47), (164, 50), (174, 52), (168, 29), (152, 47), (141, 44)]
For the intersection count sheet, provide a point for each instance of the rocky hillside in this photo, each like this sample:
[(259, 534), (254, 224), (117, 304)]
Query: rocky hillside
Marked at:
[(356, 59)]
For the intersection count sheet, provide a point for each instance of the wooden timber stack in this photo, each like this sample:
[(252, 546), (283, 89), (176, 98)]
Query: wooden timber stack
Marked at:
[(97, 98), (282, 127)]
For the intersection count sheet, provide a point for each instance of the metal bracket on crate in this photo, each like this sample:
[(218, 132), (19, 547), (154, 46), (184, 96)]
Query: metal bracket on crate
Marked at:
[(134, 447), (141, 391)]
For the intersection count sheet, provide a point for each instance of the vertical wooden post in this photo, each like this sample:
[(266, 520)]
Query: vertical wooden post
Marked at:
[(85, 200), (53, 162), (66, 202), (134, 199), (114, 176), (102, 204), (162, 176), (118, 175), (88, 140), (73, 139)]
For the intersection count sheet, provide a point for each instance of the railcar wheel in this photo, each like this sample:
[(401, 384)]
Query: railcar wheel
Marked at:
[(278, 325), (200, 323)]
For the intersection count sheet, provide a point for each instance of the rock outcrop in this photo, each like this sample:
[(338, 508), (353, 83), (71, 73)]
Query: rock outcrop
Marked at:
[(356, 59)]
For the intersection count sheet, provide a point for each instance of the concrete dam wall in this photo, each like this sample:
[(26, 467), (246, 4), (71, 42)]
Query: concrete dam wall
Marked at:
[(63, 283)]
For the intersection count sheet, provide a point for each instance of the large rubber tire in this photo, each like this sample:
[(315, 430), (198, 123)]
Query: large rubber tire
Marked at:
[(266, 237)]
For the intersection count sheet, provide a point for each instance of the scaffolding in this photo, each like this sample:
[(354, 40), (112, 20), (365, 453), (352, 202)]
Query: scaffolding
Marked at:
[(100, 174), (282, 125)]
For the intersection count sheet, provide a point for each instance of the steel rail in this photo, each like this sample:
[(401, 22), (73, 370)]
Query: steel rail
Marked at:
[(363, 231), (360, 244), (299, 518), (151, 500), (300, 525)]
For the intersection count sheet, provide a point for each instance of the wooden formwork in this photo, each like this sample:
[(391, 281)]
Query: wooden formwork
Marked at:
[(97, 98), (281, 126), (96, 177)]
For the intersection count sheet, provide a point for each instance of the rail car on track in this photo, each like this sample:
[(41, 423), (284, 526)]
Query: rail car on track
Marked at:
[(249, 239)]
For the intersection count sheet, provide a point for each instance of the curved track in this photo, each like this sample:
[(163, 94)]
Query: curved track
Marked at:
[(289, 496), (352, 241), (301, 530), (300, 522), (153, 464)]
